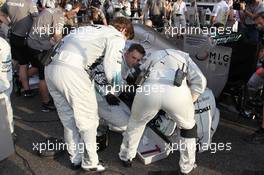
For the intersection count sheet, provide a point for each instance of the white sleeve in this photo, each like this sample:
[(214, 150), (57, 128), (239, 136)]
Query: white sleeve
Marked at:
[(196, 79), (215, 10), (5, 67), (113, 56)]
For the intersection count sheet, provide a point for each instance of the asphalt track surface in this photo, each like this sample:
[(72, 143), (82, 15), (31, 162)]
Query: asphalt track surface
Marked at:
[(242, 159)]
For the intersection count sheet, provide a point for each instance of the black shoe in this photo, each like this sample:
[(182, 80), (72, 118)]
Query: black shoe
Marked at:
[(47, 107), (257, 137), (29, 93), (76, 166), (127, 163)]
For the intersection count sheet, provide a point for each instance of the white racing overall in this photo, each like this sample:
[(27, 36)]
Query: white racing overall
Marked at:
[(73, 90), (158, 92)]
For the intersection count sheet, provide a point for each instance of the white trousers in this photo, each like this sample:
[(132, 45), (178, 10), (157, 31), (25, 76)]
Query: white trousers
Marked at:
[(179, 21), (7, 105), (74, 97), (177, 102), (116, 116)]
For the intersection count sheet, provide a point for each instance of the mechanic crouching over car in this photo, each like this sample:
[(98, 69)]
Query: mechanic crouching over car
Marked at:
[(170, 81)]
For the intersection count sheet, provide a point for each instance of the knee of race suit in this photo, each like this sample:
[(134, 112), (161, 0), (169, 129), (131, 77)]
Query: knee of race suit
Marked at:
[(189, 133)]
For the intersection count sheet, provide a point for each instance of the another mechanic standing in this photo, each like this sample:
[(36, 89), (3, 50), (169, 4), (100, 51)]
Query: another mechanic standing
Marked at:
[(70, 83), (174, 82)]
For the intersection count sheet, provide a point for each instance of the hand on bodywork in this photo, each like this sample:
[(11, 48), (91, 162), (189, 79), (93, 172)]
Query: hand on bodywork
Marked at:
[(196, 80)]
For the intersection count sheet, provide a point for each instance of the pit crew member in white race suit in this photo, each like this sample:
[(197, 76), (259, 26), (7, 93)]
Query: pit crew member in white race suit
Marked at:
[(73, 90), (173, 95), (207, 118), (6, 80), (114, 111)]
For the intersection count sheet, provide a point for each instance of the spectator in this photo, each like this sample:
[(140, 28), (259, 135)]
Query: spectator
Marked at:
[(45, 32), (253, 7), (259, 19), (98, 16), (157, 12), (192, 11), (95, 14), (82, 13), (109, 10), (122, 8), (221, 12), (135, 8), (70, 15), (179, 13), (48, 3), (168, 8)]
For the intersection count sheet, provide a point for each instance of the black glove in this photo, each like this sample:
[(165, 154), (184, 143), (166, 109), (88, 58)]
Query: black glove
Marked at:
[(112, 100), (124, 8), (117, 9), (131, 79)]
